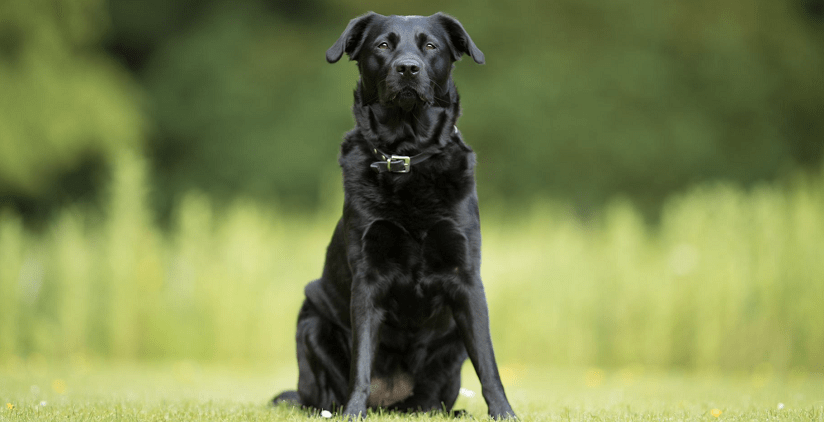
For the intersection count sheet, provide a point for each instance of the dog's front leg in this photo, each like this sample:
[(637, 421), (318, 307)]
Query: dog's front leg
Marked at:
[(472, 316), (365, 322)]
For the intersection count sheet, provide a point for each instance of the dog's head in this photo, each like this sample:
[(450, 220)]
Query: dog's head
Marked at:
[(404, 61)]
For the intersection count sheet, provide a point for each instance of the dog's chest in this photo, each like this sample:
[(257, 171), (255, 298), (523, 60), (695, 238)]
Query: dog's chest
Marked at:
[(412, 306), (419, 263), (414, 203), (414, 273)]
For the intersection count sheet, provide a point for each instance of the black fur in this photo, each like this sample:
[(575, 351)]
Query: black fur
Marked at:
[(400, 304)]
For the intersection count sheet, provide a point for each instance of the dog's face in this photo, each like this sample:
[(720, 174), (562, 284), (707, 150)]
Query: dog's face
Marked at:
[(404, 60)]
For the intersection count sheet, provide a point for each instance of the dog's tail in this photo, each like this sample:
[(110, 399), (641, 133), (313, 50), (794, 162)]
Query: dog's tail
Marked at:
[(290, 397)]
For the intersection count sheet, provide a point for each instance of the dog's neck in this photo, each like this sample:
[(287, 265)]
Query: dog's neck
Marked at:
[(395, 129)]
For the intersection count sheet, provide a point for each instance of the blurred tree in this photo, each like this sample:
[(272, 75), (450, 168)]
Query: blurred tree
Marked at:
[(65, 106), (580, 99), (138, 28), (242, 106), (793, 40), (591, 98)]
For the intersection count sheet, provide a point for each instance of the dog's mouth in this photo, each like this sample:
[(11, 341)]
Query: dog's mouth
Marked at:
[(407, 97)]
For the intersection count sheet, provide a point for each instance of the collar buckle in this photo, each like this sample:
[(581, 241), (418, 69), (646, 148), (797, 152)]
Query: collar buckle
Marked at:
[(397, 163), (405, 160)]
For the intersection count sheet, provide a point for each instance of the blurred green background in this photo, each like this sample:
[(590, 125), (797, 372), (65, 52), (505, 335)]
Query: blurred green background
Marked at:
[(649, 173)]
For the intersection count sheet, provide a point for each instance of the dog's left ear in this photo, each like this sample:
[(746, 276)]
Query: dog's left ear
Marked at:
[(351, 39), (459, 39)]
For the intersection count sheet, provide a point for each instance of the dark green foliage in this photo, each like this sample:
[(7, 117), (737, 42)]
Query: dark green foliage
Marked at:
[(65, 107), (242, 107), (579, 100)]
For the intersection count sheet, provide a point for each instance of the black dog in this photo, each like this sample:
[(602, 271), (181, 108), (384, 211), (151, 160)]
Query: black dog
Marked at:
[(400, 302)]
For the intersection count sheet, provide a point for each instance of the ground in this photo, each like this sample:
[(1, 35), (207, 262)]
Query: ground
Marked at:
[(188, 391)]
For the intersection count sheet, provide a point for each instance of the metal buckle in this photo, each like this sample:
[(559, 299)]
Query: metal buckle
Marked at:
[(406, 163)]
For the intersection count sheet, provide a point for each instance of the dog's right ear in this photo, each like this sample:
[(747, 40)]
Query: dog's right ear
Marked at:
[(351, 39)]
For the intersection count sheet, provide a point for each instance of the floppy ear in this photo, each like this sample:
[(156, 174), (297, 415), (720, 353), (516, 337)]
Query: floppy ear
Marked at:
[(351, 39), (459, 39)]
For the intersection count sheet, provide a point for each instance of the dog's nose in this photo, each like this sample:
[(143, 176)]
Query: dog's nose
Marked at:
[(408, 67)]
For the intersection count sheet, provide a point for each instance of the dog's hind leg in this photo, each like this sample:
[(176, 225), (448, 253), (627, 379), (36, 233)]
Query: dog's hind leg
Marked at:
[(323, 362)]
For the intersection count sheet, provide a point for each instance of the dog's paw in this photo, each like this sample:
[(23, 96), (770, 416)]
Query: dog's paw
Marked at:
[(354, 413), (289, 397), (502, 414), (352, 417), (462, 414)]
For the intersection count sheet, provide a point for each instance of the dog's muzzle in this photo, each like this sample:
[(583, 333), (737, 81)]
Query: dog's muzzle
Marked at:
[(407, 82)]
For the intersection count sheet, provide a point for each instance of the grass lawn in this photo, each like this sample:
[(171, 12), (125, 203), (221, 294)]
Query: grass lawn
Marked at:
[(188, 391)]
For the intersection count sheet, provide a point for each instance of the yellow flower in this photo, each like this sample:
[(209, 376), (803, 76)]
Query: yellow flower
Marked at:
[(594, 377), (715, 412), (10, 406), (59, 386)]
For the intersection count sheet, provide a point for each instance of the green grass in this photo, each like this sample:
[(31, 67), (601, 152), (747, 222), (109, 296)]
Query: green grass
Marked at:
[(730, 279), (187, 391)]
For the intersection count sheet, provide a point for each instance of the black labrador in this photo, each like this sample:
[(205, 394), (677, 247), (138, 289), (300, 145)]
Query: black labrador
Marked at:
[(400, 303)]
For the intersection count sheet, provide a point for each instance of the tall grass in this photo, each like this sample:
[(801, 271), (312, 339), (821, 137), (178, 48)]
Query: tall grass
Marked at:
[(729, 279)]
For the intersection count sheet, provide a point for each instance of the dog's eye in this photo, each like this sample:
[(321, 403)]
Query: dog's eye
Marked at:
[(383, 46), (430, 46)]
